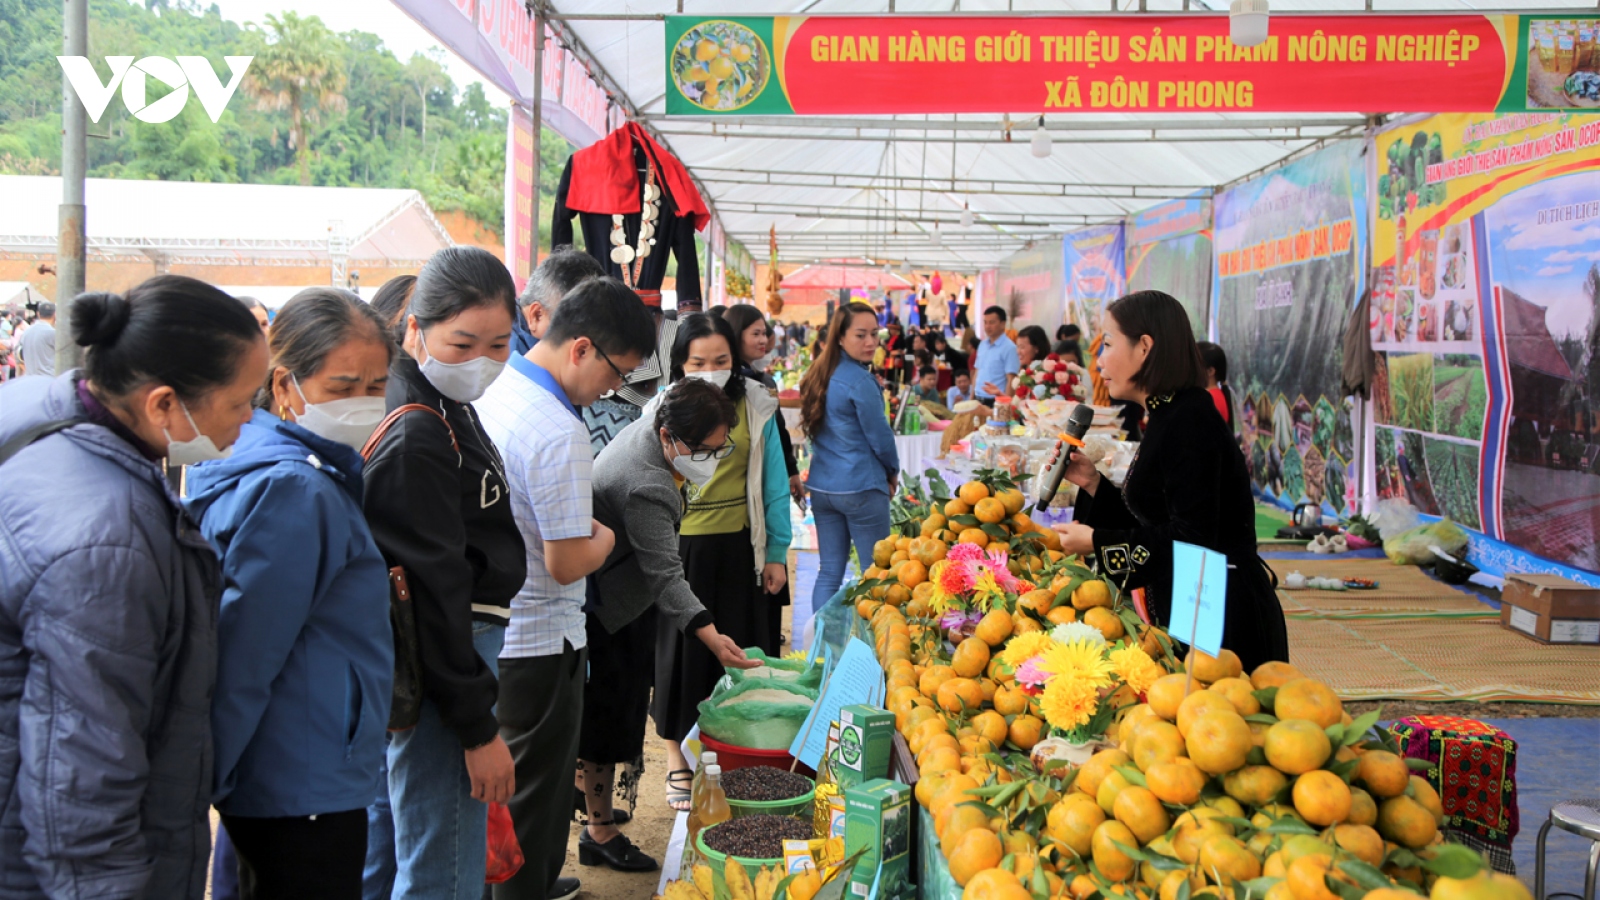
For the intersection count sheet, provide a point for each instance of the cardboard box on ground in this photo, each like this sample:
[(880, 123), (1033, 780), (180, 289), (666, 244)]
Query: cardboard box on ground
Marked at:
[(1551, 609)]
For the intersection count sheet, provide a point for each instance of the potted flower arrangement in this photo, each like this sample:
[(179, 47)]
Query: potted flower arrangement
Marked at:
[(1051, 378)]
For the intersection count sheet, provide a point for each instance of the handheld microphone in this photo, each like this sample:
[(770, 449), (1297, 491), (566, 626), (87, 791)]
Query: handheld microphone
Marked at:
[(1077, 426)]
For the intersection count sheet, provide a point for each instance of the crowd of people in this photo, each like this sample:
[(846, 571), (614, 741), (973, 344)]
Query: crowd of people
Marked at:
[(350, 575), (354, 574)]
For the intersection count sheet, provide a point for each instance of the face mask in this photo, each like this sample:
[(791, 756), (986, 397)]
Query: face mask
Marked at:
[(197, 449), (349, 421), (697, 472), (461, 382), (718, 377), (760, 365)]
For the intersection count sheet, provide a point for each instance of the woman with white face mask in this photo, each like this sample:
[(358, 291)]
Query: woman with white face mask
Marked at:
[(734, 539), (108, 593), (437, 502), (305, 653)]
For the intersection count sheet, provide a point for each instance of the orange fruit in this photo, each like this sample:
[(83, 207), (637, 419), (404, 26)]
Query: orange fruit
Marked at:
[(1226, 855), (1423, 793), (960, 694), (1026, 730), (1166, 695), (1092, 593), (1038, 600), (1363, 809), (973, 536), (971, 492), (897, 595), (1360, 841), (991, 725), (1009, 700), (1296, 746), (954, 820), (956, 507), (1091, 773), (1194, 828), (1131, 720), (932, 677), (994, 627), (1208, 668), (1383, 774), (939, 759), (1198, 703), (989, 511), (1273, 674), (1155, 742), (1178, 781), (977, 850), (1240, 693), (1140, 810), (1113, 863), (1219, 741), (1106, 622), (994, 884), (1322, 798), (912, 573), (1022, 623), (1406, 822), (1061, 615), (1304, 698), (932, 524), (1482, 886), (1306, 874), (970, 658), (1013, 500), (1254, 785), (1073, 821)]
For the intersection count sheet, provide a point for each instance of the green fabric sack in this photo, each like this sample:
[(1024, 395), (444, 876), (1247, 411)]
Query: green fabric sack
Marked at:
[(759, 714)]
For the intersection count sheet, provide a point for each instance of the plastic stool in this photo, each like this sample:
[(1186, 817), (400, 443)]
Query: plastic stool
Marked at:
[(1581, 817)]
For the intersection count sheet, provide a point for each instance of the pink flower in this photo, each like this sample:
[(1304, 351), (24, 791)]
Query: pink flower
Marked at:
[(1063, 377), (1049, 365), (965, 553), (1029, 673), (957, 619)]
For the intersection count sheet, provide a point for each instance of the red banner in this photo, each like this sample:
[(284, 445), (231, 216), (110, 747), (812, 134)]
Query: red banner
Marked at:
[(1061, 64)]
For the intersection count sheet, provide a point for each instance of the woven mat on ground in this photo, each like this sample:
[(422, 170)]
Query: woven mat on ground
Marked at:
[(1441, 659), (1405, 592)]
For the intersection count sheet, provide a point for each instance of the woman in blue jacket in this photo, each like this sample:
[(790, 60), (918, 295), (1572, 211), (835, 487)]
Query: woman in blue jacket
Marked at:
[(855, 467), (305, 654)]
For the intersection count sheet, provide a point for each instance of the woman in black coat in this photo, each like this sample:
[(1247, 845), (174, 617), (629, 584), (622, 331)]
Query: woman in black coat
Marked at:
[(1188, 481)]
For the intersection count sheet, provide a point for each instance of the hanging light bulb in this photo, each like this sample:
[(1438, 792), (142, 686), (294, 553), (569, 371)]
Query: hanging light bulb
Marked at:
[(1041, 141), (1247, 22), (937, 240), (966, 215)]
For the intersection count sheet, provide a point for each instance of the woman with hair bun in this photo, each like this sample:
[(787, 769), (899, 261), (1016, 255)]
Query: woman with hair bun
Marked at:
[(306, 657), (1188, 482), (109, 592)]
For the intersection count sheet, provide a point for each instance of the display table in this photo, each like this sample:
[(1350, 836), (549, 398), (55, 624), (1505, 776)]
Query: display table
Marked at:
[(918, 451)]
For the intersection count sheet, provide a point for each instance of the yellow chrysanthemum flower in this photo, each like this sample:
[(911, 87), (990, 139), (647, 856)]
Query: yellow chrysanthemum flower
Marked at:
[(1135, 667), (985, 591), (940, 601), (1024, 647), (1081, 657), (1069, 700)]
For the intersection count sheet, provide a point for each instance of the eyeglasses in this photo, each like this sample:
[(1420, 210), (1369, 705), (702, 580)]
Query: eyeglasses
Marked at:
[(621, 375), (723, 452)]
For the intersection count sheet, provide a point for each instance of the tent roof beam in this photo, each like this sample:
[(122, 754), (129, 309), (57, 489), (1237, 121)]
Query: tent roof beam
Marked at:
[(1060, 123)]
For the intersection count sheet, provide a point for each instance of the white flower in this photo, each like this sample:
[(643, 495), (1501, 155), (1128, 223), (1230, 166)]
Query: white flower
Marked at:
[(1077, 631), (1049, 365)]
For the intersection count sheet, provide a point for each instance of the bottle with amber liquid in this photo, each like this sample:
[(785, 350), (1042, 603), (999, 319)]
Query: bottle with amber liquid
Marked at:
[(711, 807)]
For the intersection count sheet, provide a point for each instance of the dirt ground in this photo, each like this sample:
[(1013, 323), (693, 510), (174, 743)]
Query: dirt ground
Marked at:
[(1394, 709)]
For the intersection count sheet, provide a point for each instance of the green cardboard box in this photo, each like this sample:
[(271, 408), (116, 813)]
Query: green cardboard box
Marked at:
[(878, 820), (866, 743)]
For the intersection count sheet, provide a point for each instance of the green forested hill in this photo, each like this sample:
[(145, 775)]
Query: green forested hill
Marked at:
[(368, 118)]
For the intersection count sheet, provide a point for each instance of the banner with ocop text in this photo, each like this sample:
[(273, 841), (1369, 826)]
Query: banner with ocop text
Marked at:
[(810, 65), (1486, 316)]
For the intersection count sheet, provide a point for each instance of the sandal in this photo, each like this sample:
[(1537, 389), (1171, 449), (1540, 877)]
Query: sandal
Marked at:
[(678, 797)]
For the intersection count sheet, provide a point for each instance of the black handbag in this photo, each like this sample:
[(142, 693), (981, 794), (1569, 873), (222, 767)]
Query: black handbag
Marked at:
[(405, 707)]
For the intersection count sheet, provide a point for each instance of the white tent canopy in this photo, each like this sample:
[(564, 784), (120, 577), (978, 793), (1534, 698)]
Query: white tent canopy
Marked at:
[(181, 222), (877, 185)]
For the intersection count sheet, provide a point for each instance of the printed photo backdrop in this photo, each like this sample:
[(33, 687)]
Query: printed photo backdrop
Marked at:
[(1289, 269), (1484, 309), (1169, 249), (1030, 284), (1096, 273)]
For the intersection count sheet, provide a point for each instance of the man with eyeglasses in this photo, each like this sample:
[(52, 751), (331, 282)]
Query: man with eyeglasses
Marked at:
[(600, 331)]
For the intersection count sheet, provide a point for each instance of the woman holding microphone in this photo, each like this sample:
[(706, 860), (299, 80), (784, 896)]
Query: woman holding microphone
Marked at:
[(1187, 483)]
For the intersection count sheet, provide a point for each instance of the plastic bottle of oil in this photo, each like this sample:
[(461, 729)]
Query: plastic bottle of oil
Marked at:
[(697, 788), (711, 807)]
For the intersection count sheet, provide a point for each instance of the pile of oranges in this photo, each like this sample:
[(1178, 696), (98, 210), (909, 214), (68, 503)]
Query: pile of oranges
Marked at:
[(1216, 783)]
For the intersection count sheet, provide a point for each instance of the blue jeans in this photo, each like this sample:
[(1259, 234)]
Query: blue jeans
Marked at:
[(426, 838), (861, 518)]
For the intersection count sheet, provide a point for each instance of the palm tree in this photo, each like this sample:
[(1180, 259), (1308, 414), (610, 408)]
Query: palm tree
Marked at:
[(299, 66)]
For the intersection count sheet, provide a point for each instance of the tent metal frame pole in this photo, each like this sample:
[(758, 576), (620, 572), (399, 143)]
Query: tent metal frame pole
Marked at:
[(975, 188), (754, 208), (1146, 137), (538, 130), (962, 184), (1060, 124)]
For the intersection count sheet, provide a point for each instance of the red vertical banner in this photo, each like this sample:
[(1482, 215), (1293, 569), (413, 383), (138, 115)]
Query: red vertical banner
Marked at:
[(521, 235)]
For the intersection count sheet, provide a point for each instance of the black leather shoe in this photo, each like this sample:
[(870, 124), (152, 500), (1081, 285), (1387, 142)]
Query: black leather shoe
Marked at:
[(563, 889), (619, 853), (618, 816)]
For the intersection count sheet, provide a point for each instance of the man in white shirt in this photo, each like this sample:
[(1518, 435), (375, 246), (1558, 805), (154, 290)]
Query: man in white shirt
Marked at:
[(36, 349), (600, 332)]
